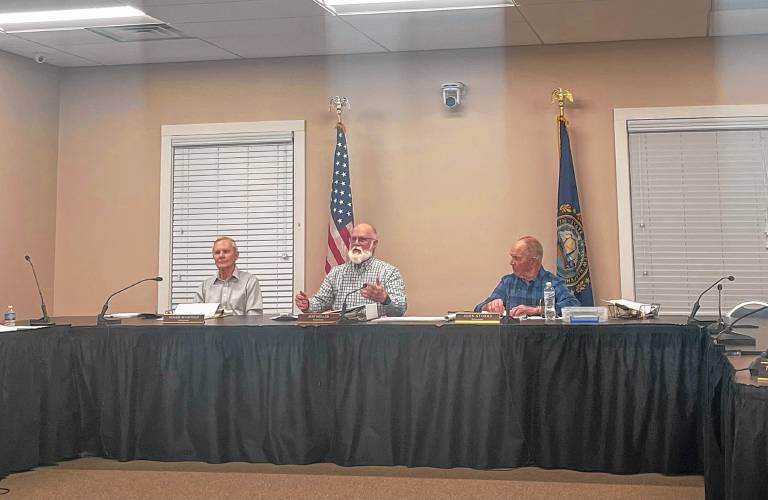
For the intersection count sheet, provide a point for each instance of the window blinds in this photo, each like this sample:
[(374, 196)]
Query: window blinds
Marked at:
[(237, 185), (699, 200)]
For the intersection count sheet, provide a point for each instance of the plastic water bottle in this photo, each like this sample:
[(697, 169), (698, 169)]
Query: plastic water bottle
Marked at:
[(549, 302), (9, 318)]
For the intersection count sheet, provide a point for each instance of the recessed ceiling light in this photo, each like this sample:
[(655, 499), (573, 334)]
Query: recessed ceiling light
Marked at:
[(362, 7), (69, 19)]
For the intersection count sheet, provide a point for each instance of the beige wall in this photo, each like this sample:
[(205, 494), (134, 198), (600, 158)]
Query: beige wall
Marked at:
[(449, 192), (29, 120)]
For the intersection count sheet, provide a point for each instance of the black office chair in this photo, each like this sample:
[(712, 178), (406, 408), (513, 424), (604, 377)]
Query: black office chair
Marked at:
[(745, 307)]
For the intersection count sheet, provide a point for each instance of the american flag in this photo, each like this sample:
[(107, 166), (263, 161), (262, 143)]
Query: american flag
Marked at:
[(342, 218)]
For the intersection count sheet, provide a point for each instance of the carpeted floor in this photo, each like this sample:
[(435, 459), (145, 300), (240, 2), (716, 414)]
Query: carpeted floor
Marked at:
[(95, 478)]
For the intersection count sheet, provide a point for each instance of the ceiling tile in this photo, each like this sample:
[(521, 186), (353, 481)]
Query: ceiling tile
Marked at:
[(249, 47), (283, 37), (150, 52), (446, 29), (63, 38), (33, 5), (234, 11), (8, 42), (607, 20), (149, 3), (24, 48)]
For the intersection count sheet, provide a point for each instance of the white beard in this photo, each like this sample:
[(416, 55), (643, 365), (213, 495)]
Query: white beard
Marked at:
[(358, 255)]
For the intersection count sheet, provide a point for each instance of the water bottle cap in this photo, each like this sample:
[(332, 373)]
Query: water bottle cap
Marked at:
[(549, 283)]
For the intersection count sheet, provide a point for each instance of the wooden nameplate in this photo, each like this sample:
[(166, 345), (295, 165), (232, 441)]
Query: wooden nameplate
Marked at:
[(318, 318), (481, 318), (183, 319)]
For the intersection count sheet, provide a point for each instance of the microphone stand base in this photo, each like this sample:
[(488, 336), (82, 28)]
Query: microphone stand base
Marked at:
[(734, 339), (699, 322), (716, 327), (104, 321), (41, 322)]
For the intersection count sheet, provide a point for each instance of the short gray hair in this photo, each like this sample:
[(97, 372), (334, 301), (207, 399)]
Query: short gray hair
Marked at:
[(533, 248), (226, 238)]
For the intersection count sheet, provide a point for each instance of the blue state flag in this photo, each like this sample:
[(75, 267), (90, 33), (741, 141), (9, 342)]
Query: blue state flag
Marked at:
[(572, 262)]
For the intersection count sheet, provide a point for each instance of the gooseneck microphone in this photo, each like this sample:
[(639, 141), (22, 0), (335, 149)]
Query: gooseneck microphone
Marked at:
[(44, 320), (719, 325), (100, 319), (344, 304), (697, 305), (728, 336)]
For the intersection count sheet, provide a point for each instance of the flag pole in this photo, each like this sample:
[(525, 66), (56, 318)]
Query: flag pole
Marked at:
[(572, 261), (341, 216)]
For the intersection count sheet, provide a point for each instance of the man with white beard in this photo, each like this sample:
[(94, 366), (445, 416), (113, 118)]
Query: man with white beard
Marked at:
[(383, 283)]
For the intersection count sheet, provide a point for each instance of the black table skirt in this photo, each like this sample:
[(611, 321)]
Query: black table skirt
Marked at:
[(613, 398)]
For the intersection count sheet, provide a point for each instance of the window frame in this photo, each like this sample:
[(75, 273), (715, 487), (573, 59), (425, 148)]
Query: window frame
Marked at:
[(210, 131), (621, 117)]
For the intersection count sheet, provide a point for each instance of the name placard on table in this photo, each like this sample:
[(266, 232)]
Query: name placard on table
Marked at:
[(183, 319), (318, 318), (477, 318)]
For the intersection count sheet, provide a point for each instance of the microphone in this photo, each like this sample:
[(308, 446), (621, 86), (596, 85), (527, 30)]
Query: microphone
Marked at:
[(718, 327), (101, 320), (728, 336), (44, 320), (697, 305), (344, 304)]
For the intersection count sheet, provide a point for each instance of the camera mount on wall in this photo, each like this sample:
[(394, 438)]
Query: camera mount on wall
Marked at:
[(452, 94)]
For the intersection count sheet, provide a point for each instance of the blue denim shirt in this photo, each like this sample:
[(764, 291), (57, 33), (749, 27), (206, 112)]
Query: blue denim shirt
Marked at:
[(515, 291)]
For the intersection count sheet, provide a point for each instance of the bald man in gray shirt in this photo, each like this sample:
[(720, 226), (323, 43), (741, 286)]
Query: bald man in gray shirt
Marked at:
[(238, 292)]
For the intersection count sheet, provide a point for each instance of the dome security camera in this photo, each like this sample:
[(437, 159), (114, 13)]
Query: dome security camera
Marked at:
[(452, 93), (40, 59)]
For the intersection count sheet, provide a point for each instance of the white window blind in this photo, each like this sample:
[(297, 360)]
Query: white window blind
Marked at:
[(699, 202), (237, 185)]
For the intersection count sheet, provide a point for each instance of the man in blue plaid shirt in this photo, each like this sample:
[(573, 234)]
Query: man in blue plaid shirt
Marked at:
[(522, 292)]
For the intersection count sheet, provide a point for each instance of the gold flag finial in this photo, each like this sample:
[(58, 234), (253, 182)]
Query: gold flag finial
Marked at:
[(560, 96), (338, 103)]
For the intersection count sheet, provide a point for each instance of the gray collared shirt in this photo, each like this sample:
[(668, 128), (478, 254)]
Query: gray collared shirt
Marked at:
[(348, 277), (240, 294)]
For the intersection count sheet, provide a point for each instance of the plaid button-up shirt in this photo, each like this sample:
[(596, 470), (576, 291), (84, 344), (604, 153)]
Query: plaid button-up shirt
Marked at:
[(514, 291), (348, 277)]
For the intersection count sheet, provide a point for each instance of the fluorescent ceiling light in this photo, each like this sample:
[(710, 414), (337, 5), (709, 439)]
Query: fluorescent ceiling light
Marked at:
[(362, 7), (53, 20)]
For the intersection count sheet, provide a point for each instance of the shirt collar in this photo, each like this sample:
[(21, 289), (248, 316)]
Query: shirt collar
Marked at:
[(363, 266), (535, 278), (235, 276)]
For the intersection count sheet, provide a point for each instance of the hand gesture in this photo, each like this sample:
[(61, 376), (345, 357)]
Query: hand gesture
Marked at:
[(302, 301), (494, 306), (523, 310), (374, 292)]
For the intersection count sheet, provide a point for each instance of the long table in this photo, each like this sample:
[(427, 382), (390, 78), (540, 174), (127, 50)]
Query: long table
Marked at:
[(620, 397)]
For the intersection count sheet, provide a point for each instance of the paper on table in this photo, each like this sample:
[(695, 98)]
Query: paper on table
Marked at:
[(121, 315), (4, 328), (206, 308), (409, 319), (628, 304)]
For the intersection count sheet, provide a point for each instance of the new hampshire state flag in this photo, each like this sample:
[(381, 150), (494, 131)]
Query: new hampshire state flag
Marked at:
[(572, 262)]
